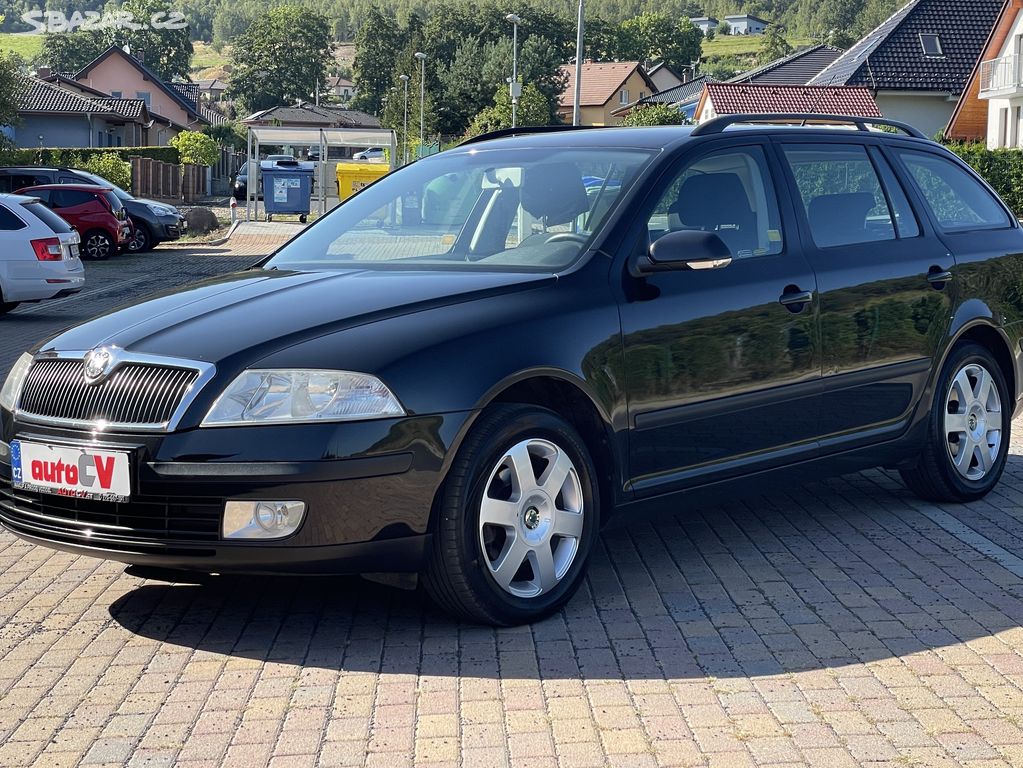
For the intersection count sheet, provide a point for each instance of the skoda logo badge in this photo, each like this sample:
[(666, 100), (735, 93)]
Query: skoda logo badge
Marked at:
[(98, 364)]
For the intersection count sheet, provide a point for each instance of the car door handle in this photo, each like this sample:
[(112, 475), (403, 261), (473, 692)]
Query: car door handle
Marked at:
[(937, 277), (794, 299)]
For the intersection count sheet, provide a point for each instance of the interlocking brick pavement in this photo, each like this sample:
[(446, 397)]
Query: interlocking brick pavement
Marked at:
[(844, 623)]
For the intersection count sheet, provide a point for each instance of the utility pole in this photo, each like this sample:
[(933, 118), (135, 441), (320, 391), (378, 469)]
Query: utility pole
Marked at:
[(404, 130), (514, 84), (422, 97), (579, 49)]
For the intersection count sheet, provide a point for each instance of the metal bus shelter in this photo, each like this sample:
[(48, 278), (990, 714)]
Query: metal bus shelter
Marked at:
[(324, 139)]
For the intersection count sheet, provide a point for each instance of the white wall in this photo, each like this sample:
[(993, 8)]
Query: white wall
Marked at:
[(995, 106), (928, 113)]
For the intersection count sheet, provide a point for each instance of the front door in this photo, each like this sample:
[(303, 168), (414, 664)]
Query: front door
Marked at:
[(885, 283), (722, 365)]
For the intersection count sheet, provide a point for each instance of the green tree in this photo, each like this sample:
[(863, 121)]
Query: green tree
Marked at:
[(109, 166), (11, 84), (655, 114), (195, 148), (773, 45), (658, 36), (281, 57), (229, 134), (376, 43), (168, 52), (533, 109), (603, 40), (70, 52)]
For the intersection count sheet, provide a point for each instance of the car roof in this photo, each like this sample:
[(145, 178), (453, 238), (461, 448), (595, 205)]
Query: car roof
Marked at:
[(56, 168), (12, 199), (80, 187)]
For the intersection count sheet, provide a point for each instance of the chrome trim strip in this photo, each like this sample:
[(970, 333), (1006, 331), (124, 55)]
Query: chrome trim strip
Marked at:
[(206, 372)]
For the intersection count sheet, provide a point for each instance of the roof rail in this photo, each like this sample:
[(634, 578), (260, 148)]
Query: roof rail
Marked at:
[(718, 124), (525, 130)]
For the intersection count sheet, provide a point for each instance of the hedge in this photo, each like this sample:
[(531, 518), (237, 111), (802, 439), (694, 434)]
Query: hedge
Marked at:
[(59, 155), (1001, 168)]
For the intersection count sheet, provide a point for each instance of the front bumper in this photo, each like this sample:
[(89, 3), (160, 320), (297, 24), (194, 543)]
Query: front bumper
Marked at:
[(368, 489), (171, 227)]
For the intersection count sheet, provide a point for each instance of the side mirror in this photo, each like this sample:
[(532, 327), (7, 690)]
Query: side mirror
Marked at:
[(685, 249)]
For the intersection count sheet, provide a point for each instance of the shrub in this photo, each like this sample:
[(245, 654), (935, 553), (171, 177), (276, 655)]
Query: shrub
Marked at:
[(654, 114), (61, 156), (1001, 168), (196, 148), (110, 167)]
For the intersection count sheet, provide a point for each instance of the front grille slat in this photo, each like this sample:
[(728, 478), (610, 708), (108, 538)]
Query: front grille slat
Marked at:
[(136, 393)]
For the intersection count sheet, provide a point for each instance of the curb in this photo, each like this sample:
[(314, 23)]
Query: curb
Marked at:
[(226, 237)]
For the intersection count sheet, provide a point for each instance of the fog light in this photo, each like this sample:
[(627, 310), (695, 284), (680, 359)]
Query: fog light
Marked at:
[(5, 452), (262, 519)]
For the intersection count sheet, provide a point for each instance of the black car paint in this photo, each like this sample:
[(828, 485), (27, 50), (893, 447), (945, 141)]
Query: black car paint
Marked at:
[(450, 343)]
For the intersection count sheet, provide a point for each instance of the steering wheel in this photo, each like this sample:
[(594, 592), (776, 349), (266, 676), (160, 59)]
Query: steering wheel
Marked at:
[(561, 236)]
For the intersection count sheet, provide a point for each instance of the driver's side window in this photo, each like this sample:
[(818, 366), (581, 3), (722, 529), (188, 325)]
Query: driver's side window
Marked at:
[(729, 193)]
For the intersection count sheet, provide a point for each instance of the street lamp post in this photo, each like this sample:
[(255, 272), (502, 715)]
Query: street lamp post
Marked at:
[(515, 20), (578, 65), (404, 129), (422, 96)]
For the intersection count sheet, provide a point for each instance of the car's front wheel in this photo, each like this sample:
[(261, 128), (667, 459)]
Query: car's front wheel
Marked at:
[(140, 241), (517, 519), (968, 430), (97, 245)]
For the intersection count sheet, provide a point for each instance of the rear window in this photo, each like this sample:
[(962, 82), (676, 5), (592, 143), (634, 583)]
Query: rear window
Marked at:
[(114, 200), (48, 217), (958, 201)]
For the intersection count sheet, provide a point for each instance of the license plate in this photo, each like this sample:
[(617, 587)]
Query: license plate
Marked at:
[(73, 250), (79, 473)]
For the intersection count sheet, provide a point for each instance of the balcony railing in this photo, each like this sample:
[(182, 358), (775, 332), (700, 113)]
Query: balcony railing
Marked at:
[(1001, 75)]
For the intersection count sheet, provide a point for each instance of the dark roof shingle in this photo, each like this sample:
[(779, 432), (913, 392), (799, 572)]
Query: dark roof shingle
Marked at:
[(798, 68), (679, 94), (891, 57), (739, 99)]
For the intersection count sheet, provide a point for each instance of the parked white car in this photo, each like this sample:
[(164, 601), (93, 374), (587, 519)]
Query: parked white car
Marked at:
[(373, 153), (38, 253)]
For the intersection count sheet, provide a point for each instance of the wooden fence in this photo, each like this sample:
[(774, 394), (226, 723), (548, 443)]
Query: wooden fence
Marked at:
[(167, 181)]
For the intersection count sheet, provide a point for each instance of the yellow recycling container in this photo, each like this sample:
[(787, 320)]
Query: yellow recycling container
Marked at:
[(351, 177)]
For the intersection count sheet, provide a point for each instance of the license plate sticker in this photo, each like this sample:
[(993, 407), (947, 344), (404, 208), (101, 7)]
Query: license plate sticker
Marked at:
[(79, 473)]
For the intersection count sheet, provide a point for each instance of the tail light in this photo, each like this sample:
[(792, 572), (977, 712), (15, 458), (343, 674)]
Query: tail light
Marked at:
[(48, 249)]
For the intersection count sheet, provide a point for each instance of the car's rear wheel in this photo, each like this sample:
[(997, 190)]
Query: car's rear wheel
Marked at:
[(968, 430), (517, 518), (6, 306), (97, 245), (140, 241)]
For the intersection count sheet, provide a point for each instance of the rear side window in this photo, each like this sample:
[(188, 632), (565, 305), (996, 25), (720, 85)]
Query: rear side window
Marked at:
[(958, 201), (842, 196), (114, 201), (68, 198), (48, 217), (8, 221)]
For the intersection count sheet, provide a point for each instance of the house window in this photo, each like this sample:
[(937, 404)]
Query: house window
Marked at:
[(1003, 127), (931, 45), (146, 96), (99, 138), (623, 96), (115, 95)]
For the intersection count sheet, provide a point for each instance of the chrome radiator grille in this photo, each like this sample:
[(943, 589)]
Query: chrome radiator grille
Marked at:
[(139, 394)]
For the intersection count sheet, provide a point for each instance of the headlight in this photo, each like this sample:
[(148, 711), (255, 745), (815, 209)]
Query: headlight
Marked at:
[(161, 210), (276, 396), (12, 387)]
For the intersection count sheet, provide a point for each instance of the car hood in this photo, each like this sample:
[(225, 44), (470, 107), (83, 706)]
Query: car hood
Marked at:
[(250, 314), (147, 201)]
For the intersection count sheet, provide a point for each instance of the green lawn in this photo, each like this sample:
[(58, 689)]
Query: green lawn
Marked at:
[(26, 46), (204, 57), (741, 45)]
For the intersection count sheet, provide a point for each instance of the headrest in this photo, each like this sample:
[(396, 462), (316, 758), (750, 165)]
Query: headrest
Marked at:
[(711, 199), (840, 218), (554, 192)]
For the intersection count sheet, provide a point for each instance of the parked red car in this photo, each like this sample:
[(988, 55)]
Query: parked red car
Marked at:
[(96, 212)]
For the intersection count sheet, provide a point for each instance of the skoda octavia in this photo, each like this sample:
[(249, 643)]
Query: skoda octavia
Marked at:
[(472, 366)]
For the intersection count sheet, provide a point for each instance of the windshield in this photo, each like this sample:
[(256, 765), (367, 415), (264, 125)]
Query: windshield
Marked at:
[(104, 183), (532, 210)]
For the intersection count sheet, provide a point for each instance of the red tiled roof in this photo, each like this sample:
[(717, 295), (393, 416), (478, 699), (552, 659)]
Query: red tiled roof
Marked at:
[(600, 81), (739, 99)]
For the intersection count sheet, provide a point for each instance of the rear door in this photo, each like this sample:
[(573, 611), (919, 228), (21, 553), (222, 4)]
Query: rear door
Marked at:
[(885, 283)]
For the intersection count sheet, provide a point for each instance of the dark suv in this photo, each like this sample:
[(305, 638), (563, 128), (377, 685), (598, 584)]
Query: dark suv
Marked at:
[(470, 367), (152, 222)]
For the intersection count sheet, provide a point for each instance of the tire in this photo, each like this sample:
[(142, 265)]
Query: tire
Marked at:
[(6, 306), (97, 245), (141, 241), (960, 465), (470, 560)]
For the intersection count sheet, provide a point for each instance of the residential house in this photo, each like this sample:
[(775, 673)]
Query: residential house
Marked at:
[(664, 77), (704, 23), (745, 99), (341, 89), (918, 61), (305, 115), (212, 91), (51, 115), (683, 97), (606, 87), (991, 106), (798, 68), (745, 24), (174, 106)]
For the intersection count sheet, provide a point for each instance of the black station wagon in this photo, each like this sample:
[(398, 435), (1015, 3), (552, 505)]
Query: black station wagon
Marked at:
[(472, 366)]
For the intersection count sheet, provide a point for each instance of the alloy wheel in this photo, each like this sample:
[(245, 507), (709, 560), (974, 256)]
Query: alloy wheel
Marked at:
[(973, 421), (97, 247), (531, 518)]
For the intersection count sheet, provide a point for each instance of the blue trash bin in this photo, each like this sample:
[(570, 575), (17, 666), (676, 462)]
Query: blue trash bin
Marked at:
[(287, 187)]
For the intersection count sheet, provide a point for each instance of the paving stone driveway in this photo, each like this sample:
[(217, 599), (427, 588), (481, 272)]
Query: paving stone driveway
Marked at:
[(842, 624)]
